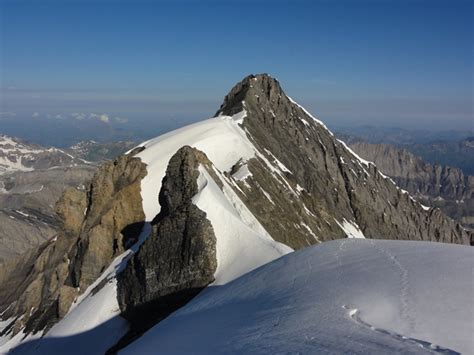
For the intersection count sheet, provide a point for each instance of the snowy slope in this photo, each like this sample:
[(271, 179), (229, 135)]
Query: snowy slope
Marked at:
[(369, 293), (223, 141), (242, 243), (352, 295)]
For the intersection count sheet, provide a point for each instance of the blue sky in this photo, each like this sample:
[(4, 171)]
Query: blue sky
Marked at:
[(387, 63)]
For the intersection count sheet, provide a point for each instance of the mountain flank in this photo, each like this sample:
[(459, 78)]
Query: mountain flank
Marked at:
[(438, 186), (322, 190)]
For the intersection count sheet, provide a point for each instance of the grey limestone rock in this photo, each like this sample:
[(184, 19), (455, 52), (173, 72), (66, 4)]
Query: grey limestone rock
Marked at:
[(38, 288), (433, 185), (321, 184)]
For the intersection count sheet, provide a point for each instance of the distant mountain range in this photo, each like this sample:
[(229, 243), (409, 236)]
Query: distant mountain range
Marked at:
[(433, 185), (402, 136), (451, 148), (97, 152)]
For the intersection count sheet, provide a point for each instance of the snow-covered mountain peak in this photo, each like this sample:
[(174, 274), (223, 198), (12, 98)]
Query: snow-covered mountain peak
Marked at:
[(16, 155), (274, 179)]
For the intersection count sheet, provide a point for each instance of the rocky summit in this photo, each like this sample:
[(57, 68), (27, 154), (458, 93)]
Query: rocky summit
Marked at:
[(322, 190), (199, 207)]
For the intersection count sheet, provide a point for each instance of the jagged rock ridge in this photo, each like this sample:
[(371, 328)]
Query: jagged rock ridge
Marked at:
[(434, 185), (321, 183)]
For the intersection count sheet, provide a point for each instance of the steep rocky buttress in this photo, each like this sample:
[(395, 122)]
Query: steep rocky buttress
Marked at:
[(179, 257), (321, 191), (96, 226)]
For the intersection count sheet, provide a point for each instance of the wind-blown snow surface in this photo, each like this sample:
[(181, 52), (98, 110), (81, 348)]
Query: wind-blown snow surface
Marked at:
[(242, 244), (223, 141), (345, 296)]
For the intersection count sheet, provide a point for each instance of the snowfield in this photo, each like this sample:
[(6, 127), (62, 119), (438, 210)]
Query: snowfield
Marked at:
[(346, 296), (221, 138), (242, 244)]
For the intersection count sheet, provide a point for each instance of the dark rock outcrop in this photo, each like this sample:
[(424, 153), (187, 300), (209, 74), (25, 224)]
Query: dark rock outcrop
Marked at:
[(39, 289), (320, 182), (433, 185), (179, 258)]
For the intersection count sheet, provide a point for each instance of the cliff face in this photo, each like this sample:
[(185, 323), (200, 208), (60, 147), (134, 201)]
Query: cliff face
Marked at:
[(27, 200), (321, 185), (95, 224), (179, 257), (437, 186)]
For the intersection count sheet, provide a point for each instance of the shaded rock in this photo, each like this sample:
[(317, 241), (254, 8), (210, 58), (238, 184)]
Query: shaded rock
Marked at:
[(179, 258)]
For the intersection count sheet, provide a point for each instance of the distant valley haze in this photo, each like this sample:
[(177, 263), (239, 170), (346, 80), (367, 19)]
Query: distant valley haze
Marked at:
[(67, 71)]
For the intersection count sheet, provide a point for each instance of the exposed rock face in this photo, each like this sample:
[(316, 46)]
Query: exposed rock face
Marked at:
[(113, 203), (434, 185), (320, 185), (179, 258), (39, 288), (27, 200)]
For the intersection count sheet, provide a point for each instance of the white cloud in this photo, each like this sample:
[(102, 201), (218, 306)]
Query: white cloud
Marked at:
[(100, 116), (78, 115), (7, 114), (121, 119), (35, 114), (104, 118)]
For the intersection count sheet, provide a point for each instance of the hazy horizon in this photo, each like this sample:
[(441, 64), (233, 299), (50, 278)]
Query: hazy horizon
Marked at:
[(404, 64)]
